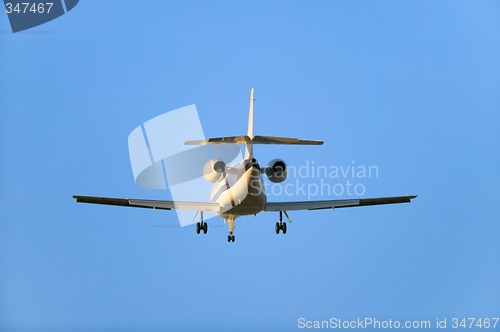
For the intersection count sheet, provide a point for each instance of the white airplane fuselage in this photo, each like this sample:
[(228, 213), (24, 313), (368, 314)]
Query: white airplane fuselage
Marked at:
[(241, 192)]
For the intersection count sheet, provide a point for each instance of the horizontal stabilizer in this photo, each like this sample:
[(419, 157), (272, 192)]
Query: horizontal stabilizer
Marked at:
[(255, 140), (221, 140), (284, 140)]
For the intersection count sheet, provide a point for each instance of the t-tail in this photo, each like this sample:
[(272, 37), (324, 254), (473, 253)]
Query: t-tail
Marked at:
[(249, 145), (249, 139)]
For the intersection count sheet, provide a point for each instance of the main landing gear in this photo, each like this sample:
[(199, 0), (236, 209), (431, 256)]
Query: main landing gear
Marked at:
[(281, 226), (201, 226)]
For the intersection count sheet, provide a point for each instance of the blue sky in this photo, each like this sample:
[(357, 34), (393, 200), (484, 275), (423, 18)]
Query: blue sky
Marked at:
[(409, 86)]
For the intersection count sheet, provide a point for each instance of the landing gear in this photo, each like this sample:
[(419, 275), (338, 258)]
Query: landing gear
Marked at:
[(201, 226), (230, 237), (281, 225)]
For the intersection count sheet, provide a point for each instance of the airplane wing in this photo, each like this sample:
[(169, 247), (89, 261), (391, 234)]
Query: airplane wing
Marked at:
[(149, 204), (335, 204)]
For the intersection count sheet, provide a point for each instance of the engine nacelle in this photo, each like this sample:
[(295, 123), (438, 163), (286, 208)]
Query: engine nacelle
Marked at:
[(276, 172), (214, 170)]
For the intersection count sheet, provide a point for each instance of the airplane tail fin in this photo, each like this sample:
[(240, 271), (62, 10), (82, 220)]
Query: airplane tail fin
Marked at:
[(250, 116), (249, 139), (249, 144)]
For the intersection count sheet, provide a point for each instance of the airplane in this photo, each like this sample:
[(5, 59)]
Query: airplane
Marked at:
[(238, 190)]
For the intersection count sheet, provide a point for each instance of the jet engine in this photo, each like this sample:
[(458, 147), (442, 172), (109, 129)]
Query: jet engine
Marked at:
[(276, 171), (214, 170)]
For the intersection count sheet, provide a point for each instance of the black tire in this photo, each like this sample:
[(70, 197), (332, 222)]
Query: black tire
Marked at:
[(205, 228), (233, 238), (284, 228), (229, 238), (198, 228), (277, 228)]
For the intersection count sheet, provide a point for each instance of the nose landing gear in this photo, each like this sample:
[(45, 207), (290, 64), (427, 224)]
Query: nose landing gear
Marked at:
[(230, 237)]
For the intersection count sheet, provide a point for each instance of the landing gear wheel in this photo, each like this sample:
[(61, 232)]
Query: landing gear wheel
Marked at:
[(229, 238), (205, 228), (198, 228), (232, 238), (284, 228), (277, 228)]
